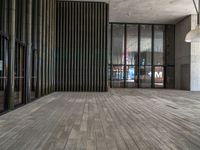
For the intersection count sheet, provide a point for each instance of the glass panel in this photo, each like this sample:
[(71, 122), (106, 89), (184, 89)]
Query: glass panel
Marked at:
[(118, 76), (1, 14), (158, 45), (132, 45), (34, 73), (170, 42), (19, 73), (109, 44), (145, 76), (146, 45), (158, 77), (3, 78), (170, 77), (131, 76), (108, 75), (118, 44), (109, 71)]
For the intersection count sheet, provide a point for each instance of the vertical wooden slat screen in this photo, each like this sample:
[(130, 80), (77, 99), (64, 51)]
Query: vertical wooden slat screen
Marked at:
[(81, 46)]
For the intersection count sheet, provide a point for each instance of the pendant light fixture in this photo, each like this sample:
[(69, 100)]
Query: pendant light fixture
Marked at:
[(194, 35)]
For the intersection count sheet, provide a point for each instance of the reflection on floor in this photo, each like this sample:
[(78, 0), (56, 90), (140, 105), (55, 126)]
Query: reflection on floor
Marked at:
[(133, 119)]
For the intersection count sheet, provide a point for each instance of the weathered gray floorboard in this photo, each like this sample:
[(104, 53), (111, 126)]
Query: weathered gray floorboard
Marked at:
[(121, 119)]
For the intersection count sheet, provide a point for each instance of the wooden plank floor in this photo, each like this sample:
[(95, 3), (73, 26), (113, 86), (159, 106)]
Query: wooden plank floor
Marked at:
[(121, 119)]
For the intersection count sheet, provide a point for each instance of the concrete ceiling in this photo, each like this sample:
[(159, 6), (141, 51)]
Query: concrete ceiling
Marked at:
[(149, 11)]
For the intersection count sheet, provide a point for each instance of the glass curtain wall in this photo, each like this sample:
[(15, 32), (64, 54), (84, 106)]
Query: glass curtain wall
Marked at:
[(131, 56), (142, 56), (34, 47), (118, 56), (20, 49), (3, 50), (145, 59)]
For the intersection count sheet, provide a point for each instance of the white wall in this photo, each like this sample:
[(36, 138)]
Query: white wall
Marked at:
[(182, 55), (187, 57), (195, 61)]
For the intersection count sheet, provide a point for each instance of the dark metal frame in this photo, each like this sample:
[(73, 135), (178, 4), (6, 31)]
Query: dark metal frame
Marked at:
[(18, 30), (86, 50), (152, 53)]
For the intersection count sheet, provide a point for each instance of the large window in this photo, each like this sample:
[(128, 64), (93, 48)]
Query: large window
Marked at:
[(118, 44), (131, 56), (141, 56), (3, 51), (145, 56), (118, 56)]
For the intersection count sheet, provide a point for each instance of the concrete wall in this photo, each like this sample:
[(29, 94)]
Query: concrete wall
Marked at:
[(195, 61), (182, 55), (187, 57)]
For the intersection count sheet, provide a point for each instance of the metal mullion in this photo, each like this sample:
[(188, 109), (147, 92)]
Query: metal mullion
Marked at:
[(47, 47), (53, 44), (66, 47), (70, 45), (139, 39), (165, 57), (61, 46), (84, 37), (152, 58), (39, 63), (43, 48), (111, 61), (2, 58), (98, 48), (87, 47), (101, 48), (95, 48), (55, 50), (106, 49), (88, 51), (50, 47), (125, 40), (78, 47), (75, 46), (72, 48), (81, 47)]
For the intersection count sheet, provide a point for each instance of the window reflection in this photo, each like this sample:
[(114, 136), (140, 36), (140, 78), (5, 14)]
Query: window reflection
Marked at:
[(159, 77), (118, 76), (145, 45), (158, 45), (145, 76), (170, 77), (118, 44), (131, 76), (132, 45)]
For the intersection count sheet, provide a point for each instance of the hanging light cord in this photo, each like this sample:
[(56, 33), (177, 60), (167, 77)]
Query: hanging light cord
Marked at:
[(197, 10), (195, 5)]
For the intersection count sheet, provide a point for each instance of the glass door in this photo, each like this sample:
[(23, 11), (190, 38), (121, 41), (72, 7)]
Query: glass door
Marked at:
[(19, 73)]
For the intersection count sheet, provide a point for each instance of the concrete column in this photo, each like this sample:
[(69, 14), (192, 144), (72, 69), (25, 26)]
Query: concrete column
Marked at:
[(194, 60), (39, 42), (187, 57), (28, 52), (11, 56), (182, 55)]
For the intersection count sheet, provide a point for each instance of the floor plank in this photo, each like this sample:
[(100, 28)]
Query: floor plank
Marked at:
[(121, 119)]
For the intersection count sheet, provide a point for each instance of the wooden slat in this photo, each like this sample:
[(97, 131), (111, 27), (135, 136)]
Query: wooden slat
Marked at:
[(119, 119), (81, 37)]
